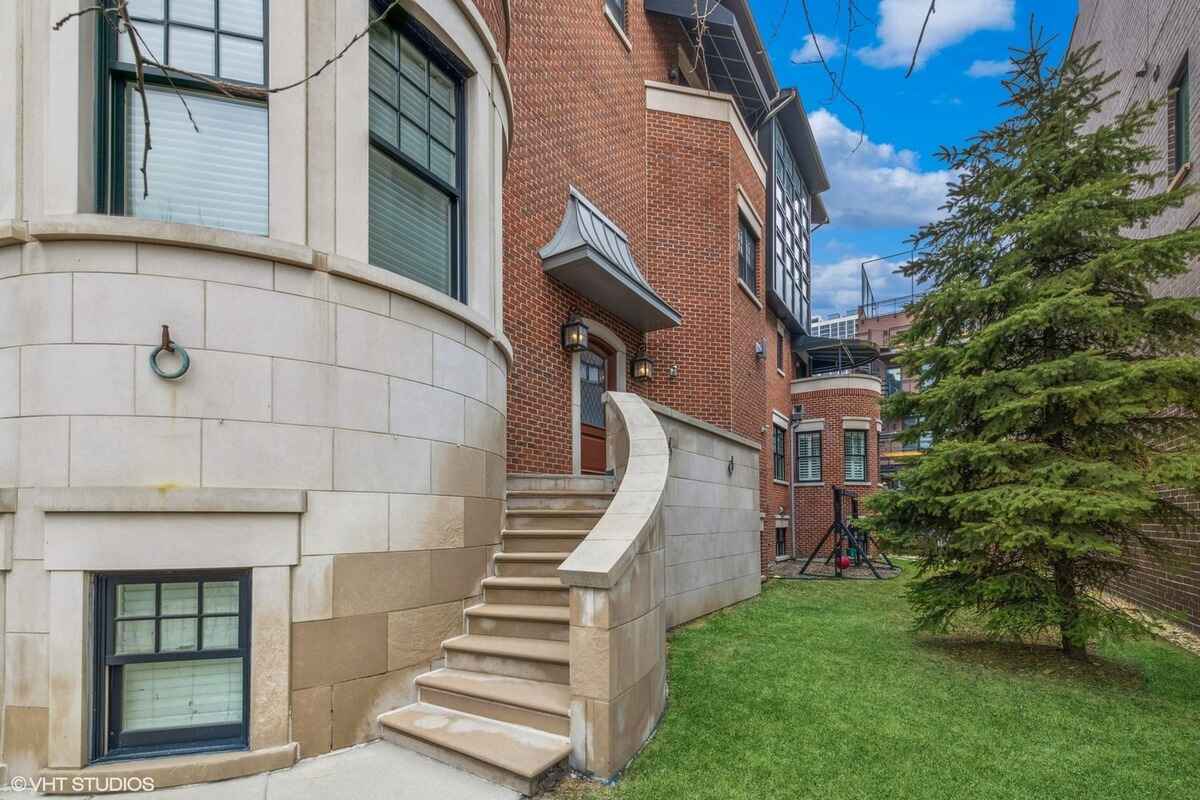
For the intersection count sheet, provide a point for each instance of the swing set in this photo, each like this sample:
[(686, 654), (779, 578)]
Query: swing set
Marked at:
[(851, 546)]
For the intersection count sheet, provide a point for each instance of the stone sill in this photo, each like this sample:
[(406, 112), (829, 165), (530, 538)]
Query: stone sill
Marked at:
[(152, 499), (1180, 177), (105, 227), (746, 290), (172, 770), (619, 29), (778, 482)]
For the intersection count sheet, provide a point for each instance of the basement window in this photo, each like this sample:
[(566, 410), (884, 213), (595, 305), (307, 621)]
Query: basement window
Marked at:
[(173, 663), (780, 542)]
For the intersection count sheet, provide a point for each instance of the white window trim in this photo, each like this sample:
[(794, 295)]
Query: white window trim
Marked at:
[(618, 27)]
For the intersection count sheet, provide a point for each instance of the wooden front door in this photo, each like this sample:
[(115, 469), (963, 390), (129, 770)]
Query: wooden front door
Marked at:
[(597, 374)]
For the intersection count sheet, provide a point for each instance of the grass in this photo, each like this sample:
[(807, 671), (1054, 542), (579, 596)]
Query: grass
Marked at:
[(820, 690)]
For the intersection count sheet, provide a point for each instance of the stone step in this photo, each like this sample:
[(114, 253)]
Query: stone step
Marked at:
[(520, 621), (525, 541), (511, 755), (531, 659), (586, 483), (553, 519), (558, 499), (526, 591), (534, 704), (528, 565)]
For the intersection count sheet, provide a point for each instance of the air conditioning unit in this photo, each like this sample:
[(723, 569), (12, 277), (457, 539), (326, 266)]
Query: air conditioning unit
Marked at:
[(797, 412)]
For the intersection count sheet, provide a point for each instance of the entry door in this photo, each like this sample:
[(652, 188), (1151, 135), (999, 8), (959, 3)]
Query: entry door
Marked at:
[(597, 374)]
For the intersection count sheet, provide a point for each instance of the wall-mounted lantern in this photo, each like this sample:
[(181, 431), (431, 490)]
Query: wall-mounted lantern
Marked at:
[(760, 350), (574, 334), (642, 367)]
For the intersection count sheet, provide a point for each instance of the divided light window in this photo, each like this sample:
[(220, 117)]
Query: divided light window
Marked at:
[(780, 542), (779, 446), (1179, 120), (808, 457), (790, 262), (854, 456), (217, 177), (416, 160), (747, 255), (172, 663)]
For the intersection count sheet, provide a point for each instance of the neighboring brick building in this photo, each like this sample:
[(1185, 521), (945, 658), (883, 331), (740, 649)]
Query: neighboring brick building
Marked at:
[(1153, 50), (621, 126)]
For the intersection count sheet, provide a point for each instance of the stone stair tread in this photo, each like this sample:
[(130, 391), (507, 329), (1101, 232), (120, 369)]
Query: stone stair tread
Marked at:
[(556, 512), (512, 647), (551, 698), (520, 611), (561, 492), (521, 582), (549, 533), (522, 751), (549, 558)]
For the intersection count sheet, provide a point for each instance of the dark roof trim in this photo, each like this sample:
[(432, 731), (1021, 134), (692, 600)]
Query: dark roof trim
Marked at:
[(834, 355), (591, 254)]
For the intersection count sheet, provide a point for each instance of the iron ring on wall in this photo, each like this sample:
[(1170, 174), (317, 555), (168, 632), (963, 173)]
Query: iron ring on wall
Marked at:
[(184, 361)]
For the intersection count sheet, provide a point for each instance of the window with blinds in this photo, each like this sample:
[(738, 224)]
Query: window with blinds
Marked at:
[(415, 160), (808, 457), (216, 176), (854, 456), (174, 663)]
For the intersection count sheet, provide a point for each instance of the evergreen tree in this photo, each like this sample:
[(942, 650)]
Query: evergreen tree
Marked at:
[(1060, 393)]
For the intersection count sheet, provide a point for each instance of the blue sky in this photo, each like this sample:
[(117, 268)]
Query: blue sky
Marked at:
[(882, 192)]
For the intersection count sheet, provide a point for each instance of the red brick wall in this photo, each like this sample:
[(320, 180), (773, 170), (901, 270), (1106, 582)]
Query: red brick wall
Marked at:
[(814, 504), (1170, 584), (778, 398), (493, 14)]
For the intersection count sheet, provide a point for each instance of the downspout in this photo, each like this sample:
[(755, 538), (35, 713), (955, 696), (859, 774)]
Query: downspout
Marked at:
[(792, 421)]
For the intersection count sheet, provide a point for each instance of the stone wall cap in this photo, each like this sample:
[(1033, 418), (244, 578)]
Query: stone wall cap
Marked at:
[(152, 499), (686, 419)]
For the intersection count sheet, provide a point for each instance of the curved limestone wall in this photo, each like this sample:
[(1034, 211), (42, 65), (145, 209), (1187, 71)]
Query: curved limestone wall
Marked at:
[(338, 434)]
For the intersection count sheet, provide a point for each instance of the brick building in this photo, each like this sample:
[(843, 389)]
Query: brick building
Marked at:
[(1152, 50), (705, 176)]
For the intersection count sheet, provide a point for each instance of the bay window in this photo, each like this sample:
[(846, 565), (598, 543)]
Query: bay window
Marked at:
[(216, 176), (416, 169), (172, 663)]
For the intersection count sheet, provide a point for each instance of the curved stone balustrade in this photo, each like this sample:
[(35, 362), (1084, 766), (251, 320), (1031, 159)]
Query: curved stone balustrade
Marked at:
[(617, 580)]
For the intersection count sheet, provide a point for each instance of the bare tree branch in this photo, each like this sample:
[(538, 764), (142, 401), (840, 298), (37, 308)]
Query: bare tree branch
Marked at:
[(80, 13), (140, 66), (833, 78), (921, 38)]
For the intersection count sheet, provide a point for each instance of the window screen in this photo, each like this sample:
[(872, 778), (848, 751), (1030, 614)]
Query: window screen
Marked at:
[(415, 123)]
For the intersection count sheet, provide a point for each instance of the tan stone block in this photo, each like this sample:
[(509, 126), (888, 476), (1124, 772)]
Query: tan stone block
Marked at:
[(495, 476), (344, 522), (335, 650), (616, 730), (312, 589), (483, 521), (27, 598), (367, 583), (356, 704), (425, 522), (456, 573), (25, 739), (592, 663), (270, 654), (312, 720), (416, 635), (457, 470), (26, 667)]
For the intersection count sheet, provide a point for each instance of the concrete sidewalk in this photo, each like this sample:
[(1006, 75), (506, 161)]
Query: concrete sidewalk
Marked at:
[(374, 771)]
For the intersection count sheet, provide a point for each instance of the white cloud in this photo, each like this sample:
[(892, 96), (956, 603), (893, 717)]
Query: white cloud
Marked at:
[(982, 68), (830, 47), (900, 26), (837, 285), (878, 185)]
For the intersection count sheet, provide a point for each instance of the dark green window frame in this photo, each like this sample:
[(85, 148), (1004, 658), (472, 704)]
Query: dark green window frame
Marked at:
[(779, 452), (859, 459), (1180, 118), (113, 78), (108, 743), (455, 191), (808, 457), (747, 255)]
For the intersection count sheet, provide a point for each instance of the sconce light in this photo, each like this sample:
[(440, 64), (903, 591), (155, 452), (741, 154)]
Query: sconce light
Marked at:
[(574, 334), (643, 367), (760, 350)]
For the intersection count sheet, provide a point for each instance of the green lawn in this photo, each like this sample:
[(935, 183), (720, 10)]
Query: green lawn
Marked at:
[(820, 690)]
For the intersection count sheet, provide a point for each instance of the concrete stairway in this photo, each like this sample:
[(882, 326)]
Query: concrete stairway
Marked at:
[(499, 707)]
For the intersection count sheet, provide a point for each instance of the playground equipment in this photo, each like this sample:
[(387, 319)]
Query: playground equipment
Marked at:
[(851, 546)]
